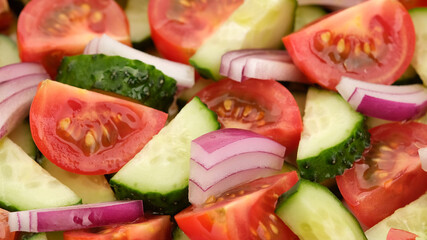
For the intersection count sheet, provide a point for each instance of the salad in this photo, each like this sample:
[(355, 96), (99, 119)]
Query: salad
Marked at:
[(195, 119)]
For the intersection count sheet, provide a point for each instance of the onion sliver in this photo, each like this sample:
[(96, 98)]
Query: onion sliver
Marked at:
[(14, 109), (91, 47), (231, 55), (337, 4), (198, 196), (182, 73), (394, 103), (15, 85), (422, 152), (227, 157), (17, 70), (76, 217), (266, 69)]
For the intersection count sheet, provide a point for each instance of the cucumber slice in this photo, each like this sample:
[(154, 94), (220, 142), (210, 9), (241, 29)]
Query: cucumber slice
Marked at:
[(411, 218), (334, 136), (24, 185), (410, 76), (21, 135), (159, 173), (91, 188), (178, 234), (419, 60), (137, 14), (32, 236), (9, 51), (313, 212), (307, 14), (255, 24)]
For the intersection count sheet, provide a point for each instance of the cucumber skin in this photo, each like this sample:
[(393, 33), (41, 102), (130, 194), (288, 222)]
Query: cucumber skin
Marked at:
[(126, 77), (170, 203), (334, 161)]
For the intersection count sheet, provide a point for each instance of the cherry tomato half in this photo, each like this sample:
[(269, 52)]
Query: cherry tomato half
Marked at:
[(372, 41), (263, 106), (87, 132), (389, 174), (48, 30)]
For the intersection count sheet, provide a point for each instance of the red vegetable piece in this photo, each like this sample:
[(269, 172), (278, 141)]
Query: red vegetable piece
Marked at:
[(398, 234)]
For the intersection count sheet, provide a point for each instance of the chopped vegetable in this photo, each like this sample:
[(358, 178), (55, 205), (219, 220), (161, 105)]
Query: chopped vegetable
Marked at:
[(75, 217)]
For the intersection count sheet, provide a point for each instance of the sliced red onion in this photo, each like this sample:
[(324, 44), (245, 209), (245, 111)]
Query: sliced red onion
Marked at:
[(91, 47), (225, 158), (335, 4), (8, 88), (198, 196), (76, 217), (394, 103), (17, 70), (182, 73), (422, 152)]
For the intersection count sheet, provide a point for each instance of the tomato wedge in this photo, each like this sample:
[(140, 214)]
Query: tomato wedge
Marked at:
[(87, 132), (409, 4), (4, 226), (245, 212), (398, 234), (372, 41), (178, 27), (389, 174), (6, 16), (48, 30), (151, 228), (263, 106)]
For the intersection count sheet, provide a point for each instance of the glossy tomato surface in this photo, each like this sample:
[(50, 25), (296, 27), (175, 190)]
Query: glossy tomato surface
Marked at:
[(409, 4), (245, 212), (372, 41), (5, 233), (263, 106), (87, 132), (151, 228), (389, 174), (398, 234), (178, 27), (48, 30)]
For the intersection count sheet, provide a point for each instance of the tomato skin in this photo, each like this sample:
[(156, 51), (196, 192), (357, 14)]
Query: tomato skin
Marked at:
[(274, 111), (389, 174), (178, 28), (4, 226), (6, 16), (151, 228), (87, 132), (372, 41), (409, 4), (49, 30), (245, 212), (398, 234)]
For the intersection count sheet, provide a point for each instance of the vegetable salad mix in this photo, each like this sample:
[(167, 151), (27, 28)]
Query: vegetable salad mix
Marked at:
[(195, 119)]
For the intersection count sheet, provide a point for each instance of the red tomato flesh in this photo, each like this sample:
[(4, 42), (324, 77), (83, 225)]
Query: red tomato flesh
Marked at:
[(263, 106), (372, 41), (178, 27), (409, 4), (245, 212), (49, 30), (6, 16), (151, 228), (4, 226), (389, 174), (87, 132), (398, 234)]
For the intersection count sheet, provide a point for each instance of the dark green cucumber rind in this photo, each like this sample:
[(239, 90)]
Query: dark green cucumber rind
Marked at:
[(170, 203), (126, 77), (333, 161), (204, 72), (292, 193)]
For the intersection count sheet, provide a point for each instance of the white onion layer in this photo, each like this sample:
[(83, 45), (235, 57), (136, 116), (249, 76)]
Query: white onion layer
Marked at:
[(422, 152)]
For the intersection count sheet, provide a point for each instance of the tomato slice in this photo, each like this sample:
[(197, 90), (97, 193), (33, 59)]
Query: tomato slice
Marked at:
[(245, 212), (372, 41), (4, 226), (87, 132), (409, 4), (151, 228), (398, 234), (178, 27), (389, 174), (263, 106), (6, 16), (48, 30)]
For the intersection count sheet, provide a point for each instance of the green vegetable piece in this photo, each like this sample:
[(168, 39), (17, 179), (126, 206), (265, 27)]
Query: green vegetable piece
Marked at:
[(334, 136), (126, 77), (419, 61), (306, 14)]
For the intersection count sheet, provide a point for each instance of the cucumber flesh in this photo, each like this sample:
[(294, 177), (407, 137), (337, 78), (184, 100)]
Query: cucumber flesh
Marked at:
[(32, 236), (255, 24), (137, 14), (9, 51), (21, 135), (307, 14), (24, 185), (419, 60), (91, 188), (159, 173), (334, 136), (313, 212)]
